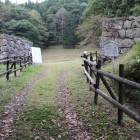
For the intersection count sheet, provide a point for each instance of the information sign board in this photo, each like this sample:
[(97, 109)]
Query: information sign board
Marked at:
[(111, 49), (36, 55)]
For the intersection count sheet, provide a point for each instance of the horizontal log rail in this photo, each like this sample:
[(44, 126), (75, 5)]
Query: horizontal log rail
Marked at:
[(90, 68), (3, 73), (130, 113), (4, 61), (89, 77), (89, 62), (117, 78), (12, 63)]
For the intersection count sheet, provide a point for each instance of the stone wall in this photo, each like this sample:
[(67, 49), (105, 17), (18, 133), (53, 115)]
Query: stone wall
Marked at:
[(11, 46), (121, 30)]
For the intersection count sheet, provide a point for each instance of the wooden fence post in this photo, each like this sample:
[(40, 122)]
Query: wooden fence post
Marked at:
[(31, 59), (20, 64), (96, 57), (85, 63), (121, 94), (25, 60), (7, 68), (97, 82), (28, 60), (91, 73), (15, 73)]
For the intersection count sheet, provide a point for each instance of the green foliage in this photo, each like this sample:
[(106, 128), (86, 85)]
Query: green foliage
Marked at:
[(36, 16), (69, 38), (18, 13), (136, 10), (49, 12), (109, 8), (2, 26), (134, 71), (26, 29), (90, 30)]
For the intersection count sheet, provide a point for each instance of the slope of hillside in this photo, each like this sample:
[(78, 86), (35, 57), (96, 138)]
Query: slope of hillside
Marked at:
[(131, 61)]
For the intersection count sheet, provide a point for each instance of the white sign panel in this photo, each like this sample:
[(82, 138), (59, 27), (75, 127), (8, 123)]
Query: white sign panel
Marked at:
[(111, 49), (36, 55)]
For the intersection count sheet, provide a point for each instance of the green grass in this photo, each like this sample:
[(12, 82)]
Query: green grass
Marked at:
[(40, 118), (58, 54), (9, 88)]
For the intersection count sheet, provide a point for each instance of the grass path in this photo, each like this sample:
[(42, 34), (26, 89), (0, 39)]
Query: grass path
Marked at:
[(11, 110), (60, 106)]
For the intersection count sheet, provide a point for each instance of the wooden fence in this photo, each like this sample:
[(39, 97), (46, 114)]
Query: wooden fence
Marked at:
[(91, 68), (14, 64)]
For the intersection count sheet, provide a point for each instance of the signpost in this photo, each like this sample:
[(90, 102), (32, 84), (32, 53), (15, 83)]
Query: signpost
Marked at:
[(111, 50)]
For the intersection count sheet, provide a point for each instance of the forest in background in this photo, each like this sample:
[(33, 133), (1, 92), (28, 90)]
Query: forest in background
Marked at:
[(49, 22), (65, 22)]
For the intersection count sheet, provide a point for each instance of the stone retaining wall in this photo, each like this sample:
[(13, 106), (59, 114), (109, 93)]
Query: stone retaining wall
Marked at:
[(121, 30), (11, 46)]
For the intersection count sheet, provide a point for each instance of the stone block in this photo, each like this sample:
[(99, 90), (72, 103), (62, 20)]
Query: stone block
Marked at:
[(122, 33), (133, 33), (118, 24), (127, 24), (4, 49), (135, 24), (3, 42), (12, 43), (106, 34), (126, 43), (137, 33), (137, 19), (108, 23)]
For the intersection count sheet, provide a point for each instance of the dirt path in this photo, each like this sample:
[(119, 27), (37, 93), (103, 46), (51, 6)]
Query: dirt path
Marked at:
[(12, 109), (76, 128)]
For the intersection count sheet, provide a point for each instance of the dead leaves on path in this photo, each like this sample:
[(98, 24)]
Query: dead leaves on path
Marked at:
[(76, 128)]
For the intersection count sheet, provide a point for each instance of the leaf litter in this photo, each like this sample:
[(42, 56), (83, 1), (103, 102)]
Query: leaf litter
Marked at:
[(77, 130)]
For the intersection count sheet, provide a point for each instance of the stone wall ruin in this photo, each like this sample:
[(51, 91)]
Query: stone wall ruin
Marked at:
[(120, 30), (11, 46)]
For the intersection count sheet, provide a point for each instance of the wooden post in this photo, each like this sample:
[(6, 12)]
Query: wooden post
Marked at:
[(28, 60), (7, 68), (20, 64), (97, 82), (96, 57), (86, 64), (91, 73), (25, 60), (15, 73), (31, 59), (121, 94)]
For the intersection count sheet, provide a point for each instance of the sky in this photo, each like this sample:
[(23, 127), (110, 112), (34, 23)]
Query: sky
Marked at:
[(23, 1)]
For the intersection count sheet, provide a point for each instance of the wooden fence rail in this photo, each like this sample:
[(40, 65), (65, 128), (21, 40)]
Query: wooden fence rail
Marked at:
[(11, 64), (95, 68)]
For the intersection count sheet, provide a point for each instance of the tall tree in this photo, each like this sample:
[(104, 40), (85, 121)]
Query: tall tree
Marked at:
[(69, 38)]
